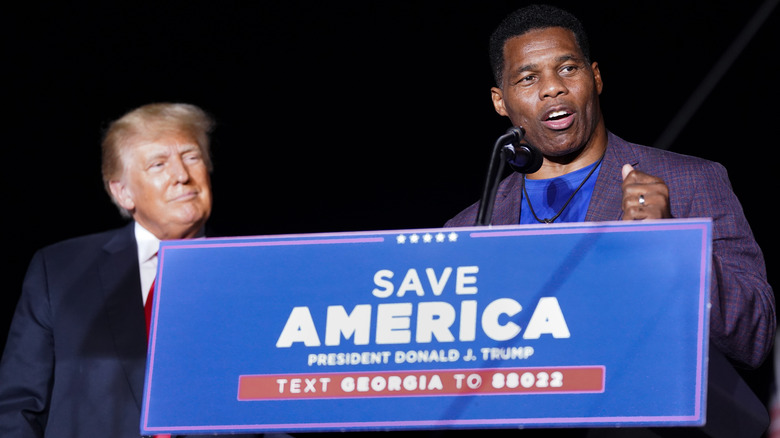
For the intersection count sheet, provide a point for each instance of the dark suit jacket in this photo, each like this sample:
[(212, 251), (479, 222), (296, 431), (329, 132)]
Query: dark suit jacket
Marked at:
[(742, 323), (75, 358)]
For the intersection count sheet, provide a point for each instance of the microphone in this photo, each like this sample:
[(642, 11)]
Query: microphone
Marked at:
[(522, 158)]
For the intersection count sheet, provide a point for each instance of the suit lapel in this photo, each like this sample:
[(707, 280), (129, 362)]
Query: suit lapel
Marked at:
[(121, 287), (506, 210), (607, 201)]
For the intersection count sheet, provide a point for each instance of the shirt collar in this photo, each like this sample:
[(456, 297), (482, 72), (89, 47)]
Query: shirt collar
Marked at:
[(148, 243)]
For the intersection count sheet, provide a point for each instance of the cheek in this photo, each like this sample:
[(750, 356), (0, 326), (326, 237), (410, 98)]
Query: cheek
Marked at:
[(204, 182), (153, 188), (520, 107), (204, 179), (158, 186), (589, 96), (205, 194)]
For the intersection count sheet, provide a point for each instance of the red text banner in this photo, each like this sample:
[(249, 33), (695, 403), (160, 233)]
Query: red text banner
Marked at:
[(423, 383)]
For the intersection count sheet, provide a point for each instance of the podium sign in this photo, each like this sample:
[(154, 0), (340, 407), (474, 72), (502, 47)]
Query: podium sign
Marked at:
[(600, 324)]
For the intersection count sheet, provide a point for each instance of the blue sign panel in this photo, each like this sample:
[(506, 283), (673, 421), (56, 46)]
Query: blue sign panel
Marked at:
[(601, 324)]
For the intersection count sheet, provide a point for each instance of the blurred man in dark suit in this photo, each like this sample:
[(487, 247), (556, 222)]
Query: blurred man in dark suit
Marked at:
[(75, 358)]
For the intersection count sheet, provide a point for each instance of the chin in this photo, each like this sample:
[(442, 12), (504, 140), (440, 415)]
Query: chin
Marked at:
[(191, 220), (564, 146)]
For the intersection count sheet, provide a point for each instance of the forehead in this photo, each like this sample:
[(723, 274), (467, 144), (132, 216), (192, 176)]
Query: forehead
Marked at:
[(159, 142), (538, 44)]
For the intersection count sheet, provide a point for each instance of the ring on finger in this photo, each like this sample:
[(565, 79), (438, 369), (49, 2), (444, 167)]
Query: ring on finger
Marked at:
[(642, 200)]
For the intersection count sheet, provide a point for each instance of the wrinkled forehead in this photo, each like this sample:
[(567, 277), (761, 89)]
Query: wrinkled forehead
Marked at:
[(157, 142)]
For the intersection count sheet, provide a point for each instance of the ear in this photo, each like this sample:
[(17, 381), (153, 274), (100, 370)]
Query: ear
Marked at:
[(498, 100), (597, 76), (122, 194)]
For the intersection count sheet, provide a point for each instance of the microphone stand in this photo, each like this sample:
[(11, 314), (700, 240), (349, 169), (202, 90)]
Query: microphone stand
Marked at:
[(522, 158), (495, 170)]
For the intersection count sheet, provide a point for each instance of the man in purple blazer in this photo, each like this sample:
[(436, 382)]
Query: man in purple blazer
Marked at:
[(75, 358), (548, 86)]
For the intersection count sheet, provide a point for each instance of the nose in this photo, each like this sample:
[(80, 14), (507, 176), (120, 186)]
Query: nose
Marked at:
[(552, 86), (179, 170)]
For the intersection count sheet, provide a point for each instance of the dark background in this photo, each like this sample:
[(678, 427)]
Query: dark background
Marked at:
[(346, 116)]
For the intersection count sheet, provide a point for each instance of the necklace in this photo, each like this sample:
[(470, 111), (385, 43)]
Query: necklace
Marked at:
[(552, 219)]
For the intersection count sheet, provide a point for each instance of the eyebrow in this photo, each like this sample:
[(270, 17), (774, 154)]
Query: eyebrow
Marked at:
[(185, 148), (189, 147), (560, 59)]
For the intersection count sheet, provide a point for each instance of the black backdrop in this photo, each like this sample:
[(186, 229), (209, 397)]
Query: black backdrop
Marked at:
[(346, 116)]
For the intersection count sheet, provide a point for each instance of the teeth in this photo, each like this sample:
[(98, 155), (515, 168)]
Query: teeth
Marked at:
[(557, 114)]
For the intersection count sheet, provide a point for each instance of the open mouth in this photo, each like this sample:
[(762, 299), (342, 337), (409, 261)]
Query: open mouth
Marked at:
[(559, 119), (557, 115)]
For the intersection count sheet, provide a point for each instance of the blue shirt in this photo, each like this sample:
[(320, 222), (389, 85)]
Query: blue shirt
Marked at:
[(549, 195)]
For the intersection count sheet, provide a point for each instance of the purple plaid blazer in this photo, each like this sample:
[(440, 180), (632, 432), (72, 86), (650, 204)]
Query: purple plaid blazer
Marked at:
[(742, 318)]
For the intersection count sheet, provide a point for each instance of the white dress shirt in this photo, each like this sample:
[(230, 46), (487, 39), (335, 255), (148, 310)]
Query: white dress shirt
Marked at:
[(148, 245)]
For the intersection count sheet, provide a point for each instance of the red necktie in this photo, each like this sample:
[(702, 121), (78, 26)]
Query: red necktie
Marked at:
[(148, 312), (148, 309)]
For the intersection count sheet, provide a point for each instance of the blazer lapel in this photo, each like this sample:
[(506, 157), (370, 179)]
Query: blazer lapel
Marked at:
[(607, 201), (506, 210), (121, 286)]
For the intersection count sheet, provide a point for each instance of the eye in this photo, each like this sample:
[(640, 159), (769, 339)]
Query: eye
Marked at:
[(192, 157), (569, 69), (526, 80)]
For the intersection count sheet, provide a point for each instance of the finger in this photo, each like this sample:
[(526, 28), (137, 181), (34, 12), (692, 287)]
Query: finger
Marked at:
[(642, 198), (639, 177), (627, 168), (655, 206), (634, 200), (634, 214)]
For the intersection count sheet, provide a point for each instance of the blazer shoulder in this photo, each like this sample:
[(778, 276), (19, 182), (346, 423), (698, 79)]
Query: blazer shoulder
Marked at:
[(661, 162), (75, 247)]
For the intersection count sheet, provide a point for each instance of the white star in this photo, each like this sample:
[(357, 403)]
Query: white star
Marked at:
[(440, 237), (427, 238), (414, 238), (401, 238), (453, 237)]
